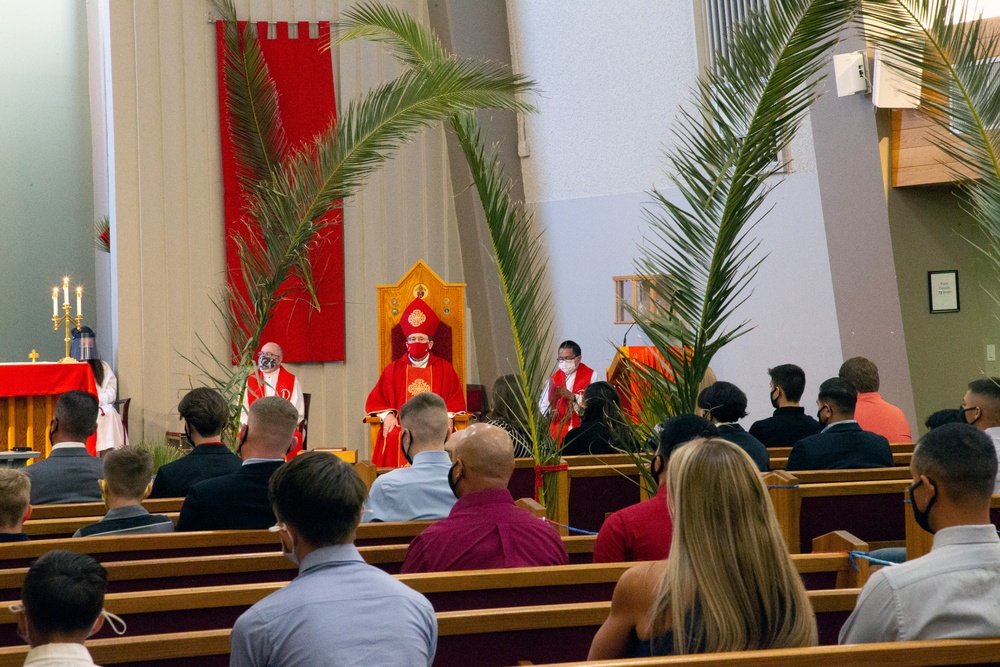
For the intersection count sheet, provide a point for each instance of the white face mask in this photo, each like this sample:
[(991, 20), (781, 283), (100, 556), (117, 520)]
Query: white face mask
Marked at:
[(114, 620), (568, 366), (289, 554)]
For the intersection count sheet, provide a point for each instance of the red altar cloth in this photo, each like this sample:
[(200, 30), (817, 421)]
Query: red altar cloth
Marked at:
[(44, 379)]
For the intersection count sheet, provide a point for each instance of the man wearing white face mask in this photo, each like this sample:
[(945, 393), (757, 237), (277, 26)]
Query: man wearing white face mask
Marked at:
[(62, 605), (564, 393), (272, 379)]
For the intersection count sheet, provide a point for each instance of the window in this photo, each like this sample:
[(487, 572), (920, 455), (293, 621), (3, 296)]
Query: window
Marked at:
[(637, 292)]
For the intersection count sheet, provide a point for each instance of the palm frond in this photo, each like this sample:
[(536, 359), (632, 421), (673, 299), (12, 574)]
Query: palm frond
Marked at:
[(700, 254)]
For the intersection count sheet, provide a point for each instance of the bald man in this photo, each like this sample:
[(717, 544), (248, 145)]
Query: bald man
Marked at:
[(272, 379), (485, 529), (981, 408)]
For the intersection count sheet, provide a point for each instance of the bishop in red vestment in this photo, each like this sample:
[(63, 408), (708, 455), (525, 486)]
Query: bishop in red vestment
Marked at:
[(413, 373)]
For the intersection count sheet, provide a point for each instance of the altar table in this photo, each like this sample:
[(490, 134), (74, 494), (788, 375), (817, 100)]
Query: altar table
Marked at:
[(28, 395)]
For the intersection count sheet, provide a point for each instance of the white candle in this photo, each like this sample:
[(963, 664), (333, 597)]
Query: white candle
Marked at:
[(65, 290), (55, 302), (79, 298)]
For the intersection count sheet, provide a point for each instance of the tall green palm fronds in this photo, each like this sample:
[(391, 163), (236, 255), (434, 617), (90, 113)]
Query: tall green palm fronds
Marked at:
[(955, 63), (516, 243), (289, 191), (700, 256)]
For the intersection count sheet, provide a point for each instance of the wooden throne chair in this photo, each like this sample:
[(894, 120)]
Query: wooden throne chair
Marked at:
[(448, 302)]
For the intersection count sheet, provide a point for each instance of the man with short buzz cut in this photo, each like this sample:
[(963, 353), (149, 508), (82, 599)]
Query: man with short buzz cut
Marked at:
[(205, 415), (485, 529), (841, 443), (238, 501), (418, 492), (981, 408), (789, 423), (318, 501), (126, 483), (873, 413), (69, 474), (15, 504), (563, 395), (952, 592), (62, 600)]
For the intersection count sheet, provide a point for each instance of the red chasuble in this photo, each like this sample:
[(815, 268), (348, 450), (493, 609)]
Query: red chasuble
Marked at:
[(283, 388), (560, 406), (401, 381)]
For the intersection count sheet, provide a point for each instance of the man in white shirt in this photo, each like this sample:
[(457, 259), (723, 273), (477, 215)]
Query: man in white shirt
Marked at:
[(952, 592), (420, 491), (981, 408), (70, 473)]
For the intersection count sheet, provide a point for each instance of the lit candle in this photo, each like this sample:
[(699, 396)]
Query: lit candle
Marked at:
[(55, 302), (79, 298), (65, 290)]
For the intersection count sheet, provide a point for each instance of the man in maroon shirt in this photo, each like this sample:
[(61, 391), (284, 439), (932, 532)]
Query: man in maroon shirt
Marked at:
[(643, 531), (485, 529)]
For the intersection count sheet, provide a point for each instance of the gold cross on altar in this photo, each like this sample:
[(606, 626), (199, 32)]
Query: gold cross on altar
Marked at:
[(33, 356)]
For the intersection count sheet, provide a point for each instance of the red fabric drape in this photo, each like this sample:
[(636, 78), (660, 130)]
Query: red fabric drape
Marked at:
[(303, 76)]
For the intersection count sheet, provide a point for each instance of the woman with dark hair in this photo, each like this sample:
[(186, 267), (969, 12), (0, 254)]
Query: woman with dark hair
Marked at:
[(602, 429), (508, 413)]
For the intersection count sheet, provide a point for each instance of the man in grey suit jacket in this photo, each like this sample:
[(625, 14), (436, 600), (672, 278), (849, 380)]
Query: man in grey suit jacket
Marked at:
[(70, 473)]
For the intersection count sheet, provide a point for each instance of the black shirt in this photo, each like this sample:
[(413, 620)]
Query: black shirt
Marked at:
[(785, 428)]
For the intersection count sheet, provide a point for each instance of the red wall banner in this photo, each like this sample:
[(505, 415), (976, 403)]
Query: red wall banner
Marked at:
[(303, 75)]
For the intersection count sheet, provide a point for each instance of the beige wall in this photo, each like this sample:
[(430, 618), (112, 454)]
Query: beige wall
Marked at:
[(167, 210)]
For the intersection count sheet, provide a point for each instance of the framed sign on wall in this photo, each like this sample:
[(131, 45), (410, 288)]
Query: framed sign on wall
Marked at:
[(942, 288)]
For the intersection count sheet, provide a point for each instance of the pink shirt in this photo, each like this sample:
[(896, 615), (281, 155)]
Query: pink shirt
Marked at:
[(874, 414), (639, 532), (485, 530)]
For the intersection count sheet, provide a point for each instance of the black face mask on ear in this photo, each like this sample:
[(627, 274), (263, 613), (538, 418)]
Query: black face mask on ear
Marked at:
[(774, 398), (923, 517), (405, 448), (654, 469), (452, 484)]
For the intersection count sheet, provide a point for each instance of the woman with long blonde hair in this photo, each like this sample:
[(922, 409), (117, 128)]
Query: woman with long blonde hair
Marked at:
[(729, 583)]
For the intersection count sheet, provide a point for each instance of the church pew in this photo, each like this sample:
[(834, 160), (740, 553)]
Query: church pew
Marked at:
[(851, 475), (896, 447), (872, 510), (66, 510), (898, 459), (51, 529), (495, 636), (919, 541)]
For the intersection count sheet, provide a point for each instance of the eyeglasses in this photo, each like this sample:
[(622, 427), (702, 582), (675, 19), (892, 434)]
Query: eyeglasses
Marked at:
[(565, 358), (418, 339)]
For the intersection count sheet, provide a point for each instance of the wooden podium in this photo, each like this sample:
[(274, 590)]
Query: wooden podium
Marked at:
[(628, 388)]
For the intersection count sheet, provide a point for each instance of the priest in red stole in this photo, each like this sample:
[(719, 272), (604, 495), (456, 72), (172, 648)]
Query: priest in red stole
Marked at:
[(563, 394), (272, 379), (416, 371)]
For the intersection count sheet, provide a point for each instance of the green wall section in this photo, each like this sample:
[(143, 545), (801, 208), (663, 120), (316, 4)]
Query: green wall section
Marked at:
[(46, 185)]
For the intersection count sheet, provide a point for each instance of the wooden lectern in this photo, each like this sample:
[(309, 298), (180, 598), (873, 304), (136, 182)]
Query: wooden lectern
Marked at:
[(628, 388)]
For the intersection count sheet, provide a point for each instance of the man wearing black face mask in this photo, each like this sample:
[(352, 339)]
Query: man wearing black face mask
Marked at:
[(951, 592), (790, 423), (419, 492), (70, 473), (205, 415), (841, 443), (981, 408)]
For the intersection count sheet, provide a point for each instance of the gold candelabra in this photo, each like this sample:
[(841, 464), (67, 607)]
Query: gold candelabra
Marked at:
[(68, 320)]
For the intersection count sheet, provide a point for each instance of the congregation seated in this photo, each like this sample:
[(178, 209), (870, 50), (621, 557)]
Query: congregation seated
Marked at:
[(644, 531), (981, 408), (485, 529), (419, 492), (238, 501), (62, 604), (789, 423), (507, 412), (873, 413), (15, 506), (205, 415), (729, 584), (126, 483), (952, 592), (69, 474), (841, 443), (602, 428), (724, 404), (318, 500)]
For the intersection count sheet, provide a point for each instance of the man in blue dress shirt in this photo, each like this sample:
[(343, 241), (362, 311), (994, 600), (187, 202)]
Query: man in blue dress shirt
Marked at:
[(338, 610), (419, 491)]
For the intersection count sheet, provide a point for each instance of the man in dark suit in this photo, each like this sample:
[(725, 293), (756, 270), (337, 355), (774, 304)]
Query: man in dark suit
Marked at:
[(841, 443), (205, 415), (789, 423), (70, 473), (239, 500)]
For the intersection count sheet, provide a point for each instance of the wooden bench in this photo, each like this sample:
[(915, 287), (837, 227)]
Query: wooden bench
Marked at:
[(898, 459), (66, 510), (60, 527), (919, 541), (495, 636), (896, 447)]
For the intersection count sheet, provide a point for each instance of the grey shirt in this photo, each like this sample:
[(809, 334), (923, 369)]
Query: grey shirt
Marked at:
[(338, 611), (951, 593)]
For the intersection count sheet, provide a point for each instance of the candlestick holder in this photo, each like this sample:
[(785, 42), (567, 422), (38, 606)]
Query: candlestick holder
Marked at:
[(70, 321)]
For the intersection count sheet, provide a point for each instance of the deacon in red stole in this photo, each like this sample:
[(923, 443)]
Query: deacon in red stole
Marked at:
[(413, 373), (563, 395), (272, 379)]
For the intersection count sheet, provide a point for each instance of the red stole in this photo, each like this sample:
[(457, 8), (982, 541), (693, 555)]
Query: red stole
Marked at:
[(560, 406), (283, 388)]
